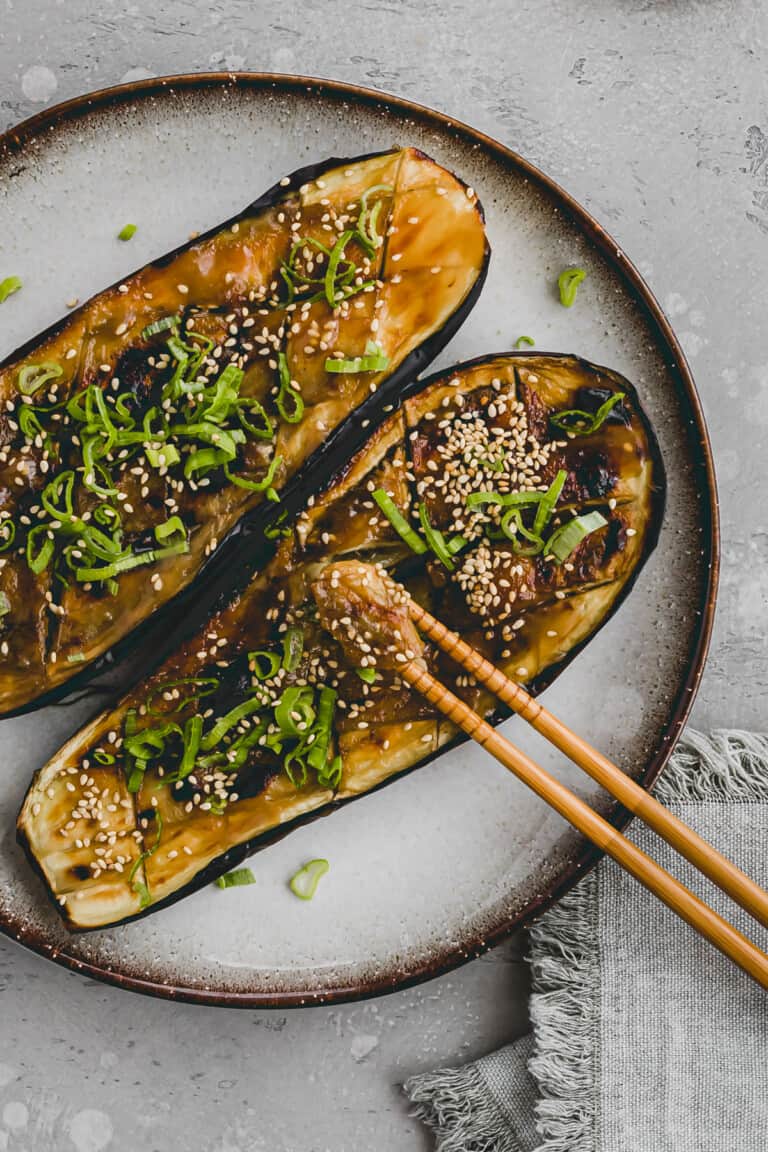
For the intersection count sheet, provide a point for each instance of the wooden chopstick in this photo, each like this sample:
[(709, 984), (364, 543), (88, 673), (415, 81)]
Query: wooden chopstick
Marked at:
[(675, 895), (708, 860)]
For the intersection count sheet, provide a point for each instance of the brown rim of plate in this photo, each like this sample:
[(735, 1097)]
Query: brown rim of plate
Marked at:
[(14, 140)]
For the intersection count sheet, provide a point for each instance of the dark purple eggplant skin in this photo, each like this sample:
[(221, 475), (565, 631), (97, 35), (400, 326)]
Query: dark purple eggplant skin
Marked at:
[(244, 546), (236, 855)]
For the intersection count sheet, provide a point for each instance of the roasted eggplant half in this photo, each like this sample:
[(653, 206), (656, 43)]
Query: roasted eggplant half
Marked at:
[(515, 497), (182, 403)]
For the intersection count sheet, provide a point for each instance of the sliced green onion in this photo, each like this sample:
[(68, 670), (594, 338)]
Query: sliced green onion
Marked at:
[(294, 713), (293, 413), (525, 340), (236, 879), (264, 431), (127, 231), (199, 686), (304, 882), (5, 604), (151, 742), (7, 534), (172, 528), (8, 286), (127, 563), (580, 423), (225, 723), (162, 325), (142, 889), (293, 647), (264, 665), (399, 522), (366, 221), (193, 731), (265, 484), (435, 539), (39, 555), (568, 285), (367, 675), (331, 271), (33, 376), (548, 501), (225, 394), (164, 457), (274, 531), (509, 499), (568, 537), (101, 756), (373, 360), (317, 756), (455, 544), (513, 528), (76, 658)]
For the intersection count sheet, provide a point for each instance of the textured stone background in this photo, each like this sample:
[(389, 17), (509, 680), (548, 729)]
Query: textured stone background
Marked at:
[(656, 117)]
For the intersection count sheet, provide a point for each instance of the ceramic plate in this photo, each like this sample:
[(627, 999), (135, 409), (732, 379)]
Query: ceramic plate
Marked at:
[(434, 868)]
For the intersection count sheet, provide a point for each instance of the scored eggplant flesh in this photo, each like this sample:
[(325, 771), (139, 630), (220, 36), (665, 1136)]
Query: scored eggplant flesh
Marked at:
[(263, 720), (141, 430)]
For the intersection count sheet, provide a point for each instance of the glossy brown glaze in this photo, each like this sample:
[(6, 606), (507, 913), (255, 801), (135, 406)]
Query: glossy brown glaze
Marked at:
[(491, 425), (228, 288), (698, 459)]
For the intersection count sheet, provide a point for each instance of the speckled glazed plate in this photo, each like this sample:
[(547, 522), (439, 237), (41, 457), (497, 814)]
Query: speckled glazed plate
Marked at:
[(446, 861)]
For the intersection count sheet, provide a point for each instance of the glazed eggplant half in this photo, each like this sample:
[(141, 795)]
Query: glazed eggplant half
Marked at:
[(140, 432), (515, 497)]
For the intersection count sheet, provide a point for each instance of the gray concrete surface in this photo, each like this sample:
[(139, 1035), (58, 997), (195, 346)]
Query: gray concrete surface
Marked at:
[(656, 117)]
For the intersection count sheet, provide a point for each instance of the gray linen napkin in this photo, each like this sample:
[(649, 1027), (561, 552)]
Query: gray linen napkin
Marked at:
[(644, 1038)]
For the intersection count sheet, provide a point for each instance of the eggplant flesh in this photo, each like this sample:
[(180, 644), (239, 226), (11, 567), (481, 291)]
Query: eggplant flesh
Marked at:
[(128, 450), (211, 757)]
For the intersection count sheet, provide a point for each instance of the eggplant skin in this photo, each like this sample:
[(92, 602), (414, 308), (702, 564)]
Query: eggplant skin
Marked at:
[(50, 656), (617, 469)]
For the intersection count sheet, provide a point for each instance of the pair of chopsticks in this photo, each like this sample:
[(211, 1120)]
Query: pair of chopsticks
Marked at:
[(683, 839)]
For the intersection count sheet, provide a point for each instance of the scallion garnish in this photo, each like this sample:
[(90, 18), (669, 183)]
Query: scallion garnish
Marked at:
[(289, 401), (513, 528), (435, 539), (294, 713), (164, 324), (525, 341), (293, 647), (367, 675), (304, 882), (568, 537), (568, 285), (373, 360), (332, 294), (398, 521), (276, 530), (8, 286), (455, 544), (236, 879), (75, 658), (517, 499), (5, 604), (142, 889), (33, 376), (580, 423), (317, 757), (7, 534), (264, 665), (366, 221), (548, 501), (127, 231), (127, 563)]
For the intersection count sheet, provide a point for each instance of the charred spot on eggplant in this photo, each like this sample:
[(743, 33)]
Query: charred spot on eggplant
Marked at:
[(143, 432), (288, 701)]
